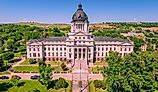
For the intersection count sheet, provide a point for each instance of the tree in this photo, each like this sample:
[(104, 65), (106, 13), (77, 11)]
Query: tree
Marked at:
[(97, 84), (61, 83), (45, 74), (138, 42), (10, 44), (133, 73), (7, 56), (32, 61), (2, 48), (1, 64), (15, 80)]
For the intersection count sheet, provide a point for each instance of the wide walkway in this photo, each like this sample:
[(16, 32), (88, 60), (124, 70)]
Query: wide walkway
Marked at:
[(80, 73)]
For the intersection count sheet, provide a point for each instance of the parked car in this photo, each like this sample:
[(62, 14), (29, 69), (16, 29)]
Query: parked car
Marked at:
[(34, 77), (4, 77)]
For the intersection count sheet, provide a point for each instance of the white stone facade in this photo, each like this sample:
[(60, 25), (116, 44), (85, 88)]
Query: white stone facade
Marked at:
[(78, 45)]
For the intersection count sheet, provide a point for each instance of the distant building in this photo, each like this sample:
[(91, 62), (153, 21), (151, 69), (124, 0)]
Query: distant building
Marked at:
[(79, 45), (151, 29), (144, 47), (132, 34)]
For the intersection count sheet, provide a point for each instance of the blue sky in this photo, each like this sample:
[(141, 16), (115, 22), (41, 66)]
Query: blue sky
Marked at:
[(61, 11)]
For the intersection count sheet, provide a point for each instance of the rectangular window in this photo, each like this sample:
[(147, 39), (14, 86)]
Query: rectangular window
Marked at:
[(56, 49), (52, 54), (114, 48), (29, 49), (98, 49), (120, 49), (52, 49), (69, 50), (129, 49), (30, 55), (34, 54), (70, 55), (106, 48), (34, 49), (110, 48), (60, 49), (38, 49), (48, 48), (65, 49), (38, 54)]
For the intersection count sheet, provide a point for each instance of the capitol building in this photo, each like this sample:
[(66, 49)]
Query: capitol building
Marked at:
[(78, 45)]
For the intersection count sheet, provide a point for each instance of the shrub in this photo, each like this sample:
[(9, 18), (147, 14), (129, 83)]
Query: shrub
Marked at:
[(32, 61), (35, 90), (61, 83), (63, 66), (15, 80), (97, 83)]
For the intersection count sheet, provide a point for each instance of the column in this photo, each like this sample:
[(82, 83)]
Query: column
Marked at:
[(77, 53), (86, 53), (82, 54)]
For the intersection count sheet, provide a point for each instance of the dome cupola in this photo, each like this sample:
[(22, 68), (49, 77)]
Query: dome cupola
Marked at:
[(79, 15)]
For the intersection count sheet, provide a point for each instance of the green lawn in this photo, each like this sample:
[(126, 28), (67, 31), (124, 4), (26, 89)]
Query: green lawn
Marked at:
[(28, 68), (25, 63), (54, 63), (96, 69), (101, 63), (35, 68), (30, 85), (92, 88), (51, 63), (5, 72)]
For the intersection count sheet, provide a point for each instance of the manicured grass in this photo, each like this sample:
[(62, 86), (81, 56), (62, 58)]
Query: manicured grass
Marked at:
[(92, 88), (101, 63), (51, 63), (29, 85), (96, 69), (25, 63), (28, 68), (5, 72), (54, 63)]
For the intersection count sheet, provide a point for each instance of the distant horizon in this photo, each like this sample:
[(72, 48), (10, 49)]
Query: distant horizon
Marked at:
[(90, 22), (61, 11)]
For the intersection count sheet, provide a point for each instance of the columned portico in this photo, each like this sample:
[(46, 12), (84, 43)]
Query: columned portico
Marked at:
[(80, 53)]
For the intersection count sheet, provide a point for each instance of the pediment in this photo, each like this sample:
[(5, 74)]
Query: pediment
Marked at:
[(79, 33)]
